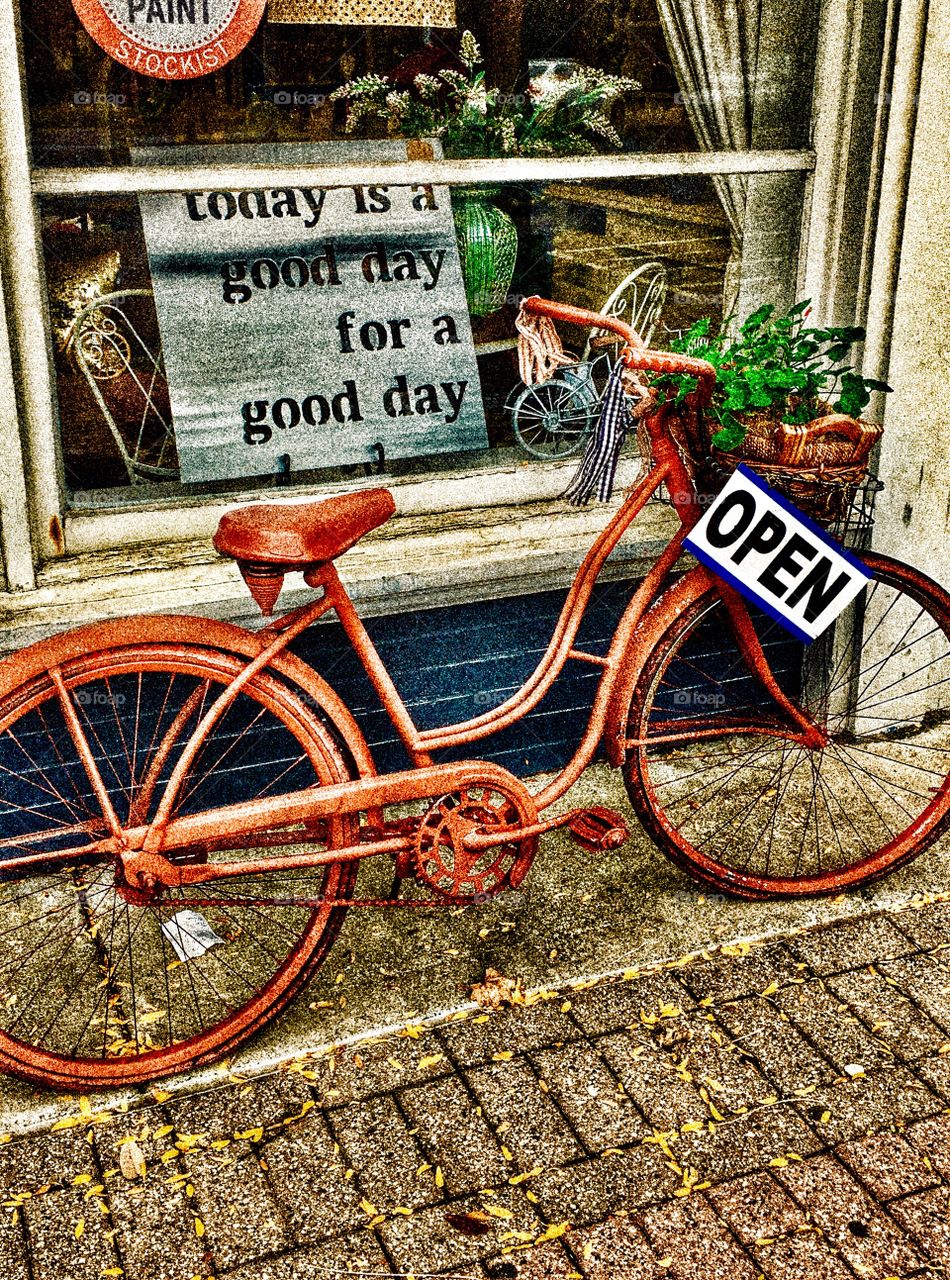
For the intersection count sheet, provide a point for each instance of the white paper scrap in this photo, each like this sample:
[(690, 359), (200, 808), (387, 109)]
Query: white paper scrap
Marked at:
[(190, 935)]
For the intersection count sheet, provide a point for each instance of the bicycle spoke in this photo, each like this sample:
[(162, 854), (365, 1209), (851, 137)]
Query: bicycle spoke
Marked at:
[(770, 814)]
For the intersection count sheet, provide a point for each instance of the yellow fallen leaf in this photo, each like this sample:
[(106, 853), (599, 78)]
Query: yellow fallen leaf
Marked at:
[(368, 1207), (503, 1055), (82, 1179), (439, 1176), (523, 1177), (199, 1228), (79, 1228), (497, 1211), (431, 1060)]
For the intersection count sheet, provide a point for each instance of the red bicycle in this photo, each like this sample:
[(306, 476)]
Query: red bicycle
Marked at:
[(184, 804)]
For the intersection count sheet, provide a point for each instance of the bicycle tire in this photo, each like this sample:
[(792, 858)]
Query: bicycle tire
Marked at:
[(753, 814), (93, 991), (553, 419)]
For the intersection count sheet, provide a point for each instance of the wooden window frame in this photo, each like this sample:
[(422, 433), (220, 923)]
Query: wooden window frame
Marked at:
[(37, 526)]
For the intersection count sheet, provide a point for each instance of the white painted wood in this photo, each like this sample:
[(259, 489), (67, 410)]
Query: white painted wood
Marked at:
[(895, 174), (136, 180), (410, 563), (838, 45), (480, 486), (914, 517), (24, 275), (14, 511)]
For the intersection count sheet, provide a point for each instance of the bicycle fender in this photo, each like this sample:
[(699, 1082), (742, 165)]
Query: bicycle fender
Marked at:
[(205, 633), (643, 635)]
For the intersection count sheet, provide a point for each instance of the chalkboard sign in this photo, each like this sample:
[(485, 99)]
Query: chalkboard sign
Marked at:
[(309, 322)]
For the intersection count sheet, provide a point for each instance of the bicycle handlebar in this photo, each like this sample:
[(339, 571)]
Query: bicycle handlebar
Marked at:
[(635, 355)]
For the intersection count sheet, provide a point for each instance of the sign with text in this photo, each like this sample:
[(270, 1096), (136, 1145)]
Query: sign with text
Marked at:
[(775, 556), (311, 323), (171, 39)]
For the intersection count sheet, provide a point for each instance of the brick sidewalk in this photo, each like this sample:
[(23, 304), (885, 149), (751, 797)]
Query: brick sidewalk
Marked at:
[(777, 1110)]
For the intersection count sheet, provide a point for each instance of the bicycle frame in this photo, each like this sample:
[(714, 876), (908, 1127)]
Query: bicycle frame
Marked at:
[(141, 847)]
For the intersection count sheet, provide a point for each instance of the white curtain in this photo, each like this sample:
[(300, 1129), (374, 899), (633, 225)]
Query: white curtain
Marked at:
[(713, 45)]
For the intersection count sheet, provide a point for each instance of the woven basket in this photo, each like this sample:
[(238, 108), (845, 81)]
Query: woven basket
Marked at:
[(817, 465)]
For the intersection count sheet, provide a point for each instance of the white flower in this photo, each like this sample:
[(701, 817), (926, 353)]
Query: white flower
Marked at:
[(469, 51), (477, 99)]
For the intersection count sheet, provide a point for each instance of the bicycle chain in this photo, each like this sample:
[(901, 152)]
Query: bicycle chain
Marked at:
[(310, 902)]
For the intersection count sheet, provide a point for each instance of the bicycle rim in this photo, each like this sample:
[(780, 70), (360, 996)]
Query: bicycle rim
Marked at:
[(756, 813), (551, 420), (100, 985)]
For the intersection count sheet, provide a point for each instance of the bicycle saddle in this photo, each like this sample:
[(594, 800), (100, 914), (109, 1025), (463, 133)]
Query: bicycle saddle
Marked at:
[(268, 539)]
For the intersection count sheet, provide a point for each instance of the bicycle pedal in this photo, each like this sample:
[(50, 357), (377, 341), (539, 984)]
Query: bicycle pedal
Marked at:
[(599, 829)]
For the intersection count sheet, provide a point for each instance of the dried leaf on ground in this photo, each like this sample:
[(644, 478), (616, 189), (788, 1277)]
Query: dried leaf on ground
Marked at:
[(132, 1161), (497, 990)]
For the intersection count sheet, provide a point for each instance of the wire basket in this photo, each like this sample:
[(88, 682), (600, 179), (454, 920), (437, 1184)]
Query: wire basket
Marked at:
[(842, 506)]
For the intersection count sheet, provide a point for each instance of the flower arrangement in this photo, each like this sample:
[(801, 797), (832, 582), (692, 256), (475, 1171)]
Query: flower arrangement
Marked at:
[(564, 116), (776, 368)]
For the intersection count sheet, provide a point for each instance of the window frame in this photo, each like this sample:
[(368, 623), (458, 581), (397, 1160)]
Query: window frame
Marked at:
[(44, 517)]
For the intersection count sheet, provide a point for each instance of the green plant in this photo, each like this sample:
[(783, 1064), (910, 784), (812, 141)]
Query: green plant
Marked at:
[(473, 119), (775, 364)]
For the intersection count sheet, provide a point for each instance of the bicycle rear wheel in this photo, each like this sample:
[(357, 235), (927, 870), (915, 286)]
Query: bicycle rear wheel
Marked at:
[(553, 419), (101, 984), (753, 812)]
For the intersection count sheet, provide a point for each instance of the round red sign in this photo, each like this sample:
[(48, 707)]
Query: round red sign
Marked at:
[(171, 39)]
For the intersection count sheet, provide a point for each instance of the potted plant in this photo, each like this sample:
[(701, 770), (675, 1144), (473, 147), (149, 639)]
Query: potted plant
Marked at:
[(787, 400), (556, 116)]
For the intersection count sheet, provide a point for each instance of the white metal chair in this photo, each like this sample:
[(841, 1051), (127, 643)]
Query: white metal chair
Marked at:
[(110, 347), (637, 300)]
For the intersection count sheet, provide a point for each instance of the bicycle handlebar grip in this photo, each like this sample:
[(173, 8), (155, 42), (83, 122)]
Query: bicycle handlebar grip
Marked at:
[(636, 356)]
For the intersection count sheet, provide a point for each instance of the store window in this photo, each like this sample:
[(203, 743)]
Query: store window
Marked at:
[(677, 194)]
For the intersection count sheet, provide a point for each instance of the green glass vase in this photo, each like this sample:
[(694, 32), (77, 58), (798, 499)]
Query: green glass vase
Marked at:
[(488, 247)]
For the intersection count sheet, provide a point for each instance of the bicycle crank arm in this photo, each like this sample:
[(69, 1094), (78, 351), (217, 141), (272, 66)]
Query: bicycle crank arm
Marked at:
[(596, 828)]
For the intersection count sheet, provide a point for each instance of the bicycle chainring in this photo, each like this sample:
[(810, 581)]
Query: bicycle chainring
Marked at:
[(464, 877)]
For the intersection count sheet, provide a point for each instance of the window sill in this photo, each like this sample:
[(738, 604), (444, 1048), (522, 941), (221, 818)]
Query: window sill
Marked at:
[(413, 562)]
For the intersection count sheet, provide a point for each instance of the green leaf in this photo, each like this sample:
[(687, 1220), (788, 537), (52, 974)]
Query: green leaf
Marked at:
[(757, 319), (729, 436)]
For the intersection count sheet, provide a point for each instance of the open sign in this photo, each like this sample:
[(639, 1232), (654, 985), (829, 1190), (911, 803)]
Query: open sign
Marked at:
[(775, 556)]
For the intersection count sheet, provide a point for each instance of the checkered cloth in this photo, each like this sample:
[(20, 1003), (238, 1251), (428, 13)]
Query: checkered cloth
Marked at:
[(599, 464)]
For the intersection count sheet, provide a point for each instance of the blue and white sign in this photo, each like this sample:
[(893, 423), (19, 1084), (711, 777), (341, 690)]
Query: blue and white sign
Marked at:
[(776, 557)]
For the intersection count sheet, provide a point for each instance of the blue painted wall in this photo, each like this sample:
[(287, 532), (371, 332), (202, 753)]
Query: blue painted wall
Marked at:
[(455, 663)]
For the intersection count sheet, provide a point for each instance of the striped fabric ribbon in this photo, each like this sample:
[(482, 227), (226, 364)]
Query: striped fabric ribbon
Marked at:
[(599, 464)]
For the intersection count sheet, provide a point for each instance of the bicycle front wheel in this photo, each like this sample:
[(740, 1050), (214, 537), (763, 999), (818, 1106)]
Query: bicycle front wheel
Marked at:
[(101, 984), (728, 795)]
